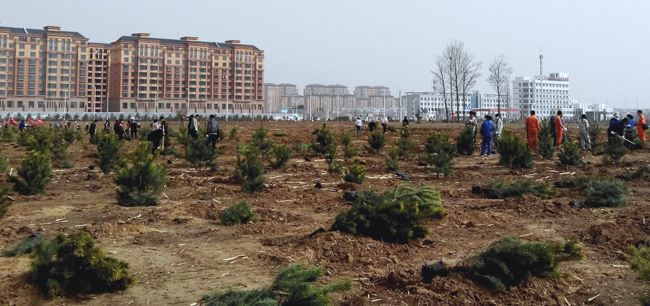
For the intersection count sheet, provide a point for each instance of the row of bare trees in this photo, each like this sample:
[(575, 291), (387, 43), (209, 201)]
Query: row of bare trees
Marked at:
[(457, 72)]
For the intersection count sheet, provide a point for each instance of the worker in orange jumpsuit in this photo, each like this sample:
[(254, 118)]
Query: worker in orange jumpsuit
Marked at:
[(559, 130), (640, 123), (532, 126)]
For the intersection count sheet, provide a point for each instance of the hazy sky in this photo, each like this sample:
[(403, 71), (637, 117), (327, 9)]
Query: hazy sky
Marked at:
[(603, 45)]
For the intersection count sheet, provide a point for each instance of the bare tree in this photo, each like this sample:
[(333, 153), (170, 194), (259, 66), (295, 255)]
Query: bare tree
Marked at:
[(499, 77), (470, 72), (442, 75)]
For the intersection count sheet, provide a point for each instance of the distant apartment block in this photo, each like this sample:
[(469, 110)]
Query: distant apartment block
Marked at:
[(52, 70), (543, 94), (279, 96)]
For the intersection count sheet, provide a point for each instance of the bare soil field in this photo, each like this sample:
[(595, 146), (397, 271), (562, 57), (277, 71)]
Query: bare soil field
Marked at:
[(176, 250)]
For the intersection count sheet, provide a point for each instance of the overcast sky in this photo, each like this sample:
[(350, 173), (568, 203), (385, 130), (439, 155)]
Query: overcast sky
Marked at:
[(603, 45)]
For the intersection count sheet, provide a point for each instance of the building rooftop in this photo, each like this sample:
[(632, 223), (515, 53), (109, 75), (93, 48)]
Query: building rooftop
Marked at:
[(40, 31), (166, 41), (107, 46)]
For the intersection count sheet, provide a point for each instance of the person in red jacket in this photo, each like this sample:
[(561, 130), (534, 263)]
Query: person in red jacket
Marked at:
[(532, 128)]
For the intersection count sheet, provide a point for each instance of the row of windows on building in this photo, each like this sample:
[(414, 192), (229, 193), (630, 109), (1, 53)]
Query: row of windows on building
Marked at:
[(41, 104), (544, 85), (153, 96), (215, 106)]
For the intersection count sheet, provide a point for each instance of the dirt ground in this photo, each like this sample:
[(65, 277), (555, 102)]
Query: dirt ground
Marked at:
[(177, 250)]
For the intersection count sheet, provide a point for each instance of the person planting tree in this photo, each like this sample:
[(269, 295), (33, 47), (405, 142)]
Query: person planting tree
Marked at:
[(532, 129), (487, 133)]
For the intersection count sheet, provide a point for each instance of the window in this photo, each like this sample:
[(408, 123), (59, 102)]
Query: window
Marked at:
[(20, 104), (40, 104), (30, 104), (132, 105), (10, 103)]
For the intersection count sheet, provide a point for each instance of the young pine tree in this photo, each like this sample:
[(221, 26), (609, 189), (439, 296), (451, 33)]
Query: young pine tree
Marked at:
[(392, 162), (571, 154), (142, 183), (282, 155), (61, 156), (376, 140), (4, 201), (546, 148), (35, 172), (249, 169), (514, 152), (440, 153), (614, 152), (240, 213), (109, 149), (199, 154), (355, 173), (466, 143), (260, 141), (594, 135), (404, 143), (73, 266), (324, 142)]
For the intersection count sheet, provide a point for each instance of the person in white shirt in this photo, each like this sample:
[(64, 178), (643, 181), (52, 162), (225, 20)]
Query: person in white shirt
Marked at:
[(384, 123), (155, 126), (359, 124), (583, 128), (499, 126)]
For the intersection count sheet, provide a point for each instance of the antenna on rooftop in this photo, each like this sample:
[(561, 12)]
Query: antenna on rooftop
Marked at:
[(540, 61)]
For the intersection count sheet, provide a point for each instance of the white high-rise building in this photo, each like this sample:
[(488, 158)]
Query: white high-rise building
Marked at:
[(543, 94)]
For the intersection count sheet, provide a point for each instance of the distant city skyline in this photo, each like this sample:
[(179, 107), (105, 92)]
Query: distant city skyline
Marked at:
[(600, 44)]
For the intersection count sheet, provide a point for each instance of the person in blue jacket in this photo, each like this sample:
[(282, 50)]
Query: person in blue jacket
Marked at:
[(22, 126), (487, 132), (630, 118)]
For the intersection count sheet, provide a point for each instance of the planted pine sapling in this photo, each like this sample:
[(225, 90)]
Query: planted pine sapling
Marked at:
[(35, 172), (142, 183)]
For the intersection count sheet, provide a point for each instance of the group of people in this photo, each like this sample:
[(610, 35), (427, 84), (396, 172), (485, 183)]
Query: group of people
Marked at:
[(372, 124), (617, 128), (489, 131)]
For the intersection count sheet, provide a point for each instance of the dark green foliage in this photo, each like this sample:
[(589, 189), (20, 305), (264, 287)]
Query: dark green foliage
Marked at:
[(392, 162), (507, 262), (334, 167), (355, 173), (70, 135), (500, 189), (61, 156), (7, 135), (3, 162), (293, 286), (346, 138), (640, 260), (233, 133), (594, 135), (639, 173), (280, 134), (606, 193), (109, 149), (282, 155), (35, 172), (25, 247), (392, 216), (546, 147), (573, 182), (260, 141), (325, 142), (301, 148), (249, 169), (404, 143), (466, 142), (73, 265), (514, 152), (142, 183), (571, 154), (392, 128), (440, 153), (614, 153), (41, 140), (199, 153), (376, 140), (4, 201), (239, 213), (144, 132), (350, 151)]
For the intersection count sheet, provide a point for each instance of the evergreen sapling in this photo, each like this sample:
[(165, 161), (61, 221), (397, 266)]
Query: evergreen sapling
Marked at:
[(35, 172), (440, 153), (142, 183)]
